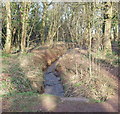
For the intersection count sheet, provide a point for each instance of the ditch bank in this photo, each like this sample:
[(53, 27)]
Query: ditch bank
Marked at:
[(98, 85), (38, 68), (67, 73), (36, 64)]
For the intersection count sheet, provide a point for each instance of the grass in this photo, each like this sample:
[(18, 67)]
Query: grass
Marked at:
[(19, 84), (96, 101), (16, 82), (26, 54), (98, 85), (17, 77), (29, 93), (25, 71), (5, 55), (113, 58), (5, 62), (26, 101), (106, 58), (77, 84), (116, 62)]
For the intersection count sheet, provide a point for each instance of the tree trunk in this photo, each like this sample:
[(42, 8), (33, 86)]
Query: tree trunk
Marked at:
[(45, 6), (9, 34), (119, 22), (24, 19), (107, 27)]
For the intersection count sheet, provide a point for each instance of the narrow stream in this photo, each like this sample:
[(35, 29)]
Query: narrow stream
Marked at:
[(52, 82)]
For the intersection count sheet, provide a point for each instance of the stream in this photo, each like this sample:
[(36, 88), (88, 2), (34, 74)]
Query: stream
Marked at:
[(52, 82)]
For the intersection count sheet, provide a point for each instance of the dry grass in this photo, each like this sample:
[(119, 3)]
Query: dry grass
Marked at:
[(29, 102), (22, 76), (23, 73), (75, 72)]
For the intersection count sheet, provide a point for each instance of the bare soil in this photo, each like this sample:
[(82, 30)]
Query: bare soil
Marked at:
[(67, 69), (44, 103), (74, 68)]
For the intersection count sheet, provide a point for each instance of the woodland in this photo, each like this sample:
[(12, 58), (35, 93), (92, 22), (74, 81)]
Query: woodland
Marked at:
[(59, 56)]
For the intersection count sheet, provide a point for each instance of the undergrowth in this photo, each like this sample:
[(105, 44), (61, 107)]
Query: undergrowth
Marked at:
[(14, 79), (77, 80)]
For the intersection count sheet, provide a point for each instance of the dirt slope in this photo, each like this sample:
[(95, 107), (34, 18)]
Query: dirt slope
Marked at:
[(37, 103), (74, 68)]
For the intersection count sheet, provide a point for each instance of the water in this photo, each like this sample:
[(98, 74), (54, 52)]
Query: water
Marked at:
[(52, 82)]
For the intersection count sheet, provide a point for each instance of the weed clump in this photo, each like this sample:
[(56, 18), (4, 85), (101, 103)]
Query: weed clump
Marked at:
[(82, 77), (25, 72)]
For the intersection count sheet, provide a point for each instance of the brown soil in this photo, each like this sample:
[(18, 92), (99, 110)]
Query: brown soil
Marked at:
[(28, 69), (44, 103), (74, 69), (76, 106), (37, 103)]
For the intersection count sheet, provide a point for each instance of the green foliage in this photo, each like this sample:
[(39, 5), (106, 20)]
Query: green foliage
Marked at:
[(78, 84), (29, 93), (5, 62), (17, 81), (26, 54), (96, 101), (116, 61), (112, 58), (5, 55)]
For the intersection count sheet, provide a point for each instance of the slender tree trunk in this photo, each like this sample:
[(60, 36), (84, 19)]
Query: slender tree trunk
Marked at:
[(107, 27), (9, 34), (24, 19), (118, 27), (45, 6), (1, 14)]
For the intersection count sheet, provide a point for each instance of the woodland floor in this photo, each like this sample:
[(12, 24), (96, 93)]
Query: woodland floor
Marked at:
[(18, 95)]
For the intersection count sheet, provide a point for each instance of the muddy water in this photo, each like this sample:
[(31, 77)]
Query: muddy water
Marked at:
[(52, 82)]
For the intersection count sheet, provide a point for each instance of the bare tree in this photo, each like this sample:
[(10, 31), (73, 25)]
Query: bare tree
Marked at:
[(45, 7), (107, 27), (24, 19), (9, 34), (54, 22)]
